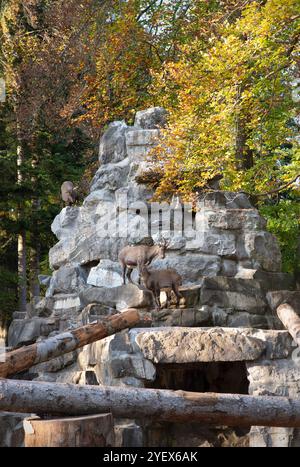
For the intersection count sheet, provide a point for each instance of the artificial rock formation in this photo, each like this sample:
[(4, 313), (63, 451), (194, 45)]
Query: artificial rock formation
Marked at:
[(231, 269), (225, 236)]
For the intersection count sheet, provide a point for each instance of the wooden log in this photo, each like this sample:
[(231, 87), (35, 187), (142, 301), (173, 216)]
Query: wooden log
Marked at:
[(87, 431), (290, 320), (155, 404), (27, 356)]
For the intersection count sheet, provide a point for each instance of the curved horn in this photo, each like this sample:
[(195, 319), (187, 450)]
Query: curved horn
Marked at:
[(164, 242)]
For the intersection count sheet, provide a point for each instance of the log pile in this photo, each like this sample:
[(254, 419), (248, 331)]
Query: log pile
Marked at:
[(157, 404)]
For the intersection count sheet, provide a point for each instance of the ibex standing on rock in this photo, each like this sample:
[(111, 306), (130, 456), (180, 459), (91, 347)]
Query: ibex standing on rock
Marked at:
[(68, 193), (140, 255), (156, 280)]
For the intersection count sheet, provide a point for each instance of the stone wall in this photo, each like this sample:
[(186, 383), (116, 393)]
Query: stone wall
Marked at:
[(135, 358), (230, 265), (227, 259)]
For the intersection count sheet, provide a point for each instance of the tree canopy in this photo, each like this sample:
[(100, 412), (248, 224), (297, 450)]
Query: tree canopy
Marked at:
[(233, 111), (226, 71)]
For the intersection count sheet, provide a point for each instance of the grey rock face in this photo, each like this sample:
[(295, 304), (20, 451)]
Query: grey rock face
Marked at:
[(111, 176), (67, 279), (222, 244), (268, 280), (229, 219), (190, 267), (276, 378), (112, 145), (54, 365), (44, 280), (129, 435), (107, 274), (263, 248), (182, 317), (228, 268), (238, 294), (198, 345), (11, 429), (42, 307), (224, 199), (279, 344), (137, 137), (65, 222), (275, 299), (27, 331), (122, 297), (155, 117), (226, 236)]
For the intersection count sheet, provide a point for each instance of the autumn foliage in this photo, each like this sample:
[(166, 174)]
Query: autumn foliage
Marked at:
[(226, 71), (233, 111)]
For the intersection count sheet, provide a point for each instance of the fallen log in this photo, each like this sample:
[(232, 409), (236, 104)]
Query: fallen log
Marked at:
[(157, 404), (290, 320), (30, 355)]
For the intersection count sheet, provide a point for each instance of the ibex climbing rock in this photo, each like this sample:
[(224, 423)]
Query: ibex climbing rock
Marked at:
[(156, 280), (137, 256), (68, 193)]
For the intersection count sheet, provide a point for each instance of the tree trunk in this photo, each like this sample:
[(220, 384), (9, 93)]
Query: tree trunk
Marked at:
[(35, 251), (290, 320), (155, 404), (87, 431), (243, 154), (35, 244), (22, 263), (35, 265), (28, 356)]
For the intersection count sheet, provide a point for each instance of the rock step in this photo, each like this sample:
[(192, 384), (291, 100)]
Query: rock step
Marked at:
[(268, 280), (19, 315), (209, 316), (184, 345), (275, 298), (26, 331), (244, 295)]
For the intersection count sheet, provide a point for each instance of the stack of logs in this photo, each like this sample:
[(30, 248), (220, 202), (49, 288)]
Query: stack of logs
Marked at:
[(165, 405)]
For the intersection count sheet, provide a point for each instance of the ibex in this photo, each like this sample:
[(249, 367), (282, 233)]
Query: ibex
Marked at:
[(156, 280), (138, 255), (68, 193)]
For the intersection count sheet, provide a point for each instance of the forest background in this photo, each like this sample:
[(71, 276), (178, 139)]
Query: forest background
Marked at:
[(226, 71)]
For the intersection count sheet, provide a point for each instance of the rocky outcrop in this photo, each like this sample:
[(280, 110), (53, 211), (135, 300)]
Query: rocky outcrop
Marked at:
[(228, 261), (122, 297), (225, 237), (281, 378), (27, 331), (196, 345), (232, 284)]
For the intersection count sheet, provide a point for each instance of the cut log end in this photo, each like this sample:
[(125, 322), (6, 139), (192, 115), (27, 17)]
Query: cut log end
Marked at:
[(290, 319), (86, 431)]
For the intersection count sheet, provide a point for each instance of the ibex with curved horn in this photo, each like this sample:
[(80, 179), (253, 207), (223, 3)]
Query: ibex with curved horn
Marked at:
[(136, 256)]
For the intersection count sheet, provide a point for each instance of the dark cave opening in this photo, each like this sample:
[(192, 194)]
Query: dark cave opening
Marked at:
[(220, 377), (223, 377)]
